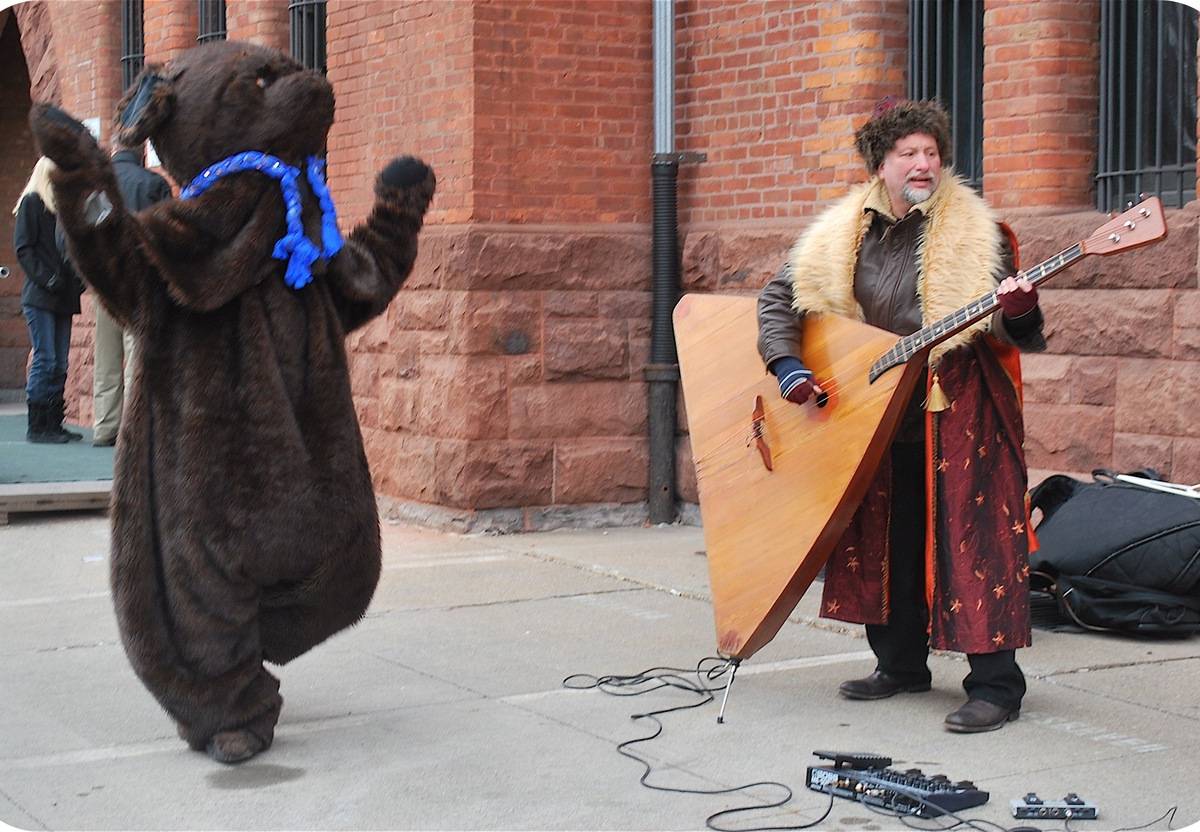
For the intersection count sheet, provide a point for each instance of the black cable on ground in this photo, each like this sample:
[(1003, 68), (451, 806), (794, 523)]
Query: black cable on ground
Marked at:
[(709, 669)]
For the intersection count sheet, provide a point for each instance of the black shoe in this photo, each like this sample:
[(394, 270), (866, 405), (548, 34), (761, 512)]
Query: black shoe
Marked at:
[(979, 715), (38, 431), (54, 420), (879, 685)]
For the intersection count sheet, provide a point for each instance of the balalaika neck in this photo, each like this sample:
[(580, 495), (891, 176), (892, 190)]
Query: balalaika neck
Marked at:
[(960, 319)]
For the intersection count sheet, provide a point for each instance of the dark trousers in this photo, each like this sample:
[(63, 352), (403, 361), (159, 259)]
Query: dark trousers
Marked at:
[(902, 645), (50, 335)]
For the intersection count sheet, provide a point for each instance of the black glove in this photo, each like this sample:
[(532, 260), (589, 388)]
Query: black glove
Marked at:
[(795, 380)]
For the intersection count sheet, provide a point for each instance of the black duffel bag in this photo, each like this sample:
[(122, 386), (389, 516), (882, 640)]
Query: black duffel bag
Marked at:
[(1119, 556)]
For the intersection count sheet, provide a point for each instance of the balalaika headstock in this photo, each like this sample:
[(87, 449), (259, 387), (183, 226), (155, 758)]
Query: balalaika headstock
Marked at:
[(1142, 224)]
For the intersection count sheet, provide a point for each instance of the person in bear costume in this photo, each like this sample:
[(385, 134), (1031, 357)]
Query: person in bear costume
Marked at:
[(245, 527)]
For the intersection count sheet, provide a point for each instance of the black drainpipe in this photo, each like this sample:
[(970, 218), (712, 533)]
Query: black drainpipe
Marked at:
[(662, 374)]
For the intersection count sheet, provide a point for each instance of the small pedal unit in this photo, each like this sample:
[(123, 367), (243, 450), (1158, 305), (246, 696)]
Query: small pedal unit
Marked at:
[(1071, 807)]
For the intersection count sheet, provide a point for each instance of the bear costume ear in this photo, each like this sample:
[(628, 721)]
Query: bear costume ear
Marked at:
[(146, 105)]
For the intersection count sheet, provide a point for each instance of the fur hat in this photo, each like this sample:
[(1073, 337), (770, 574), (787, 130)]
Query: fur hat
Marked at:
[(893, 120)]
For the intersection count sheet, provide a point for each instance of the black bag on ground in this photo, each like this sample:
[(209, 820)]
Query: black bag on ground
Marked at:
[(1119, 556)]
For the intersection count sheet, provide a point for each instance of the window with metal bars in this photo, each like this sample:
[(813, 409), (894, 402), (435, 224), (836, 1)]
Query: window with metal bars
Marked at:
[(211, 20), (1147, 103), (945, 61), (133, 47), (307, 18)]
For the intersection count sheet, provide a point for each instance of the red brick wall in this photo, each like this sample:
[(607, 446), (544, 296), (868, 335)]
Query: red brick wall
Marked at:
[(563, 111), (258, 21), (772, 91), (170, 26), (402, 74), (1041, 80)]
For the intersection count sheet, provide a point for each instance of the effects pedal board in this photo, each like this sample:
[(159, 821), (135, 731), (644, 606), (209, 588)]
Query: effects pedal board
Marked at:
[(867, 778), (1071, 807)]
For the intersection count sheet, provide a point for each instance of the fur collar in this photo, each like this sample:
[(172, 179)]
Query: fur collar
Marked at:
[(958, 258)]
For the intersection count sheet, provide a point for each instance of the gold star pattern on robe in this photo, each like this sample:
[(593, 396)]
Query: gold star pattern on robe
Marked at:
[(998, 639), (998, 590), (982, 451), (852, 563), (833, 606), (943, 465), (956, 606), (1018, 527), (979, 498)]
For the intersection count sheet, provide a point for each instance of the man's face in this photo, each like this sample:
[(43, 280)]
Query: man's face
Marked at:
[(911, 170)]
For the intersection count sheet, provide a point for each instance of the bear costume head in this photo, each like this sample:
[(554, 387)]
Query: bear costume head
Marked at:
[(223, 98)]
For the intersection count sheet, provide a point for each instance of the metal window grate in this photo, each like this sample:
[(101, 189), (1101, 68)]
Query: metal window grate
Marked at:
[(1147, 103), (307, 18), (945, 61), (211, 18), (133, 49)]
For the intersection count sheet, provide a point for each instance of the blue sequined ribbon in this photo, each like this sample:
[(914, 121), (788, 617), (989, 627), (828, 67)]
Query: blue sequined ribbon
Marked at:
[(294, 247)]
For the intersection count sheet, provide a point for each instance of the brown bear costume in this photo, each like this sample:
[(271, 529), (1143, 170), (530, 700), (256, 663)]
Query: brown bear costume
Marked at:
[(244, 521)]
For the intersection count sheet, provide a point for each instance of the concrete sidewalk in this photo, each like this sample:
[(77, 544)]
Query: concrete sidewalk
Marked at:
[(444, 709)]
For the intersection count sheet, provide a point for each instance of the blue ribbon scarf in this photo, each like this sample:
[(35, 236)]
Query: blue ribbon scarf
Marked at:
[(294, 247)]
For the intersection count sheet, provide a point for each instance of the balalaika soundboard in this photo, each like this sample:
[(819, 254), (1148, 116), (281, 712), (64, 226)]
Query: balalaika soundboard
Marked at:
[(868, 778)]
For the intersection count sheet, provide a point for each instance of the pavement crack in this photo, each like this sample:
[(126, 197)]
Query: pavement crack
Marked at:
[(498, 603), (23, 810), (1115, 666)]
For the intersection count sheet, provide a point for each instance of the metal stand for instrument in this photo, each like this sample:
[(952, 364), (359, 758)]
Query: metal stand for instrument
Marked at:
[(735, 664)]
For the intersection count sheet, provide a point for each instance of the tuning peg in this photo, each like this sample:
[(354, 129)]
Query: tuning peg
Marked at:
[(1110, 215), (1130, 224), (1128, 205), (1116, 238), (1141, 197), (1145, 212)]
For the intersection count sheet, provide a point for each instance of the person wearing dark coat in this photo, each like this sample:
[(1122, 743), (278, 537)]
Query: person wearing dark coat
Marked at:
[(245, 528), (113, 349), (49, 298)]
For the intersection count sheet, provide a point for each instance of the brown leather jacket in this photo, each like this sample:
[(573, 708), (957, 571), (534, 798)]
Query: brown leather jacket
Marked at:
[(885, 286)]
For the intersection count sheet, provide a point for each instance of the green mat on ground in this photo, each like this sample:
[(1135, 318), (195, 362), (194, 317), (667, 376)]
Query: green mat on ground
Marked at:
[(22, 461)]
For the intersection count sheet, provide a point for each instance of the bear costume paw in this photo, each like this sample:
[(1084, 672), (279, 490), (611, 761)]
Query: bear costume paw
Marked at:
[(235, 746), (408, 183), (63, 139)]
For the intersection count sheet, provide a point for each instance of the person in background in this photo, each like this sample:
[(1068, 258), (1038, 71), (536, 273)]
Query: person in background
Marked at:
[(49, 298), (113, 364)]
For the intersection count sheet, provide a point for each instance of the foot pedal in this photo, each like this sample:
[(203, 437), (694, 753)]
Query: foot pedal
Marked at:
[(859, 761)]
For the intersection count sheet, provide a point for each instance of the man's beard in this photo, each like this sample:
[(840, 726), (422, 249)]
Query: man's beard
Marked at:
[(914, 195)]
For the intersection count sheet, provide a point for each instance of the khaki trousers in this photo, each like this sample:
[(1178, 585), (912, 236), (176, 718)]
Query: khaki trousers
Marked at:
[(112, 375)]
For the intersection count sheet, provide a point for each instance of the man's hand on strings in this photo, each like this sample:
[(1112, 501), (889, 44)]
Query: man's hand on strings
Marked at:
[(1016, 296), (796, 382)]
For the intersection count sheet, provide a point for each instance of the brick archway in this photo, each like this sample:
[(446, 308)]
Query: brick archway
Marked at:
[(24, 32)]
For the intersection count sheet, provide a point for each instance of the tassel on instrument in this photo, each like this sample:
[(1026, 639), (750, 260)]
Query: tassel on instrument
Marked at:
[(937, 401)]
